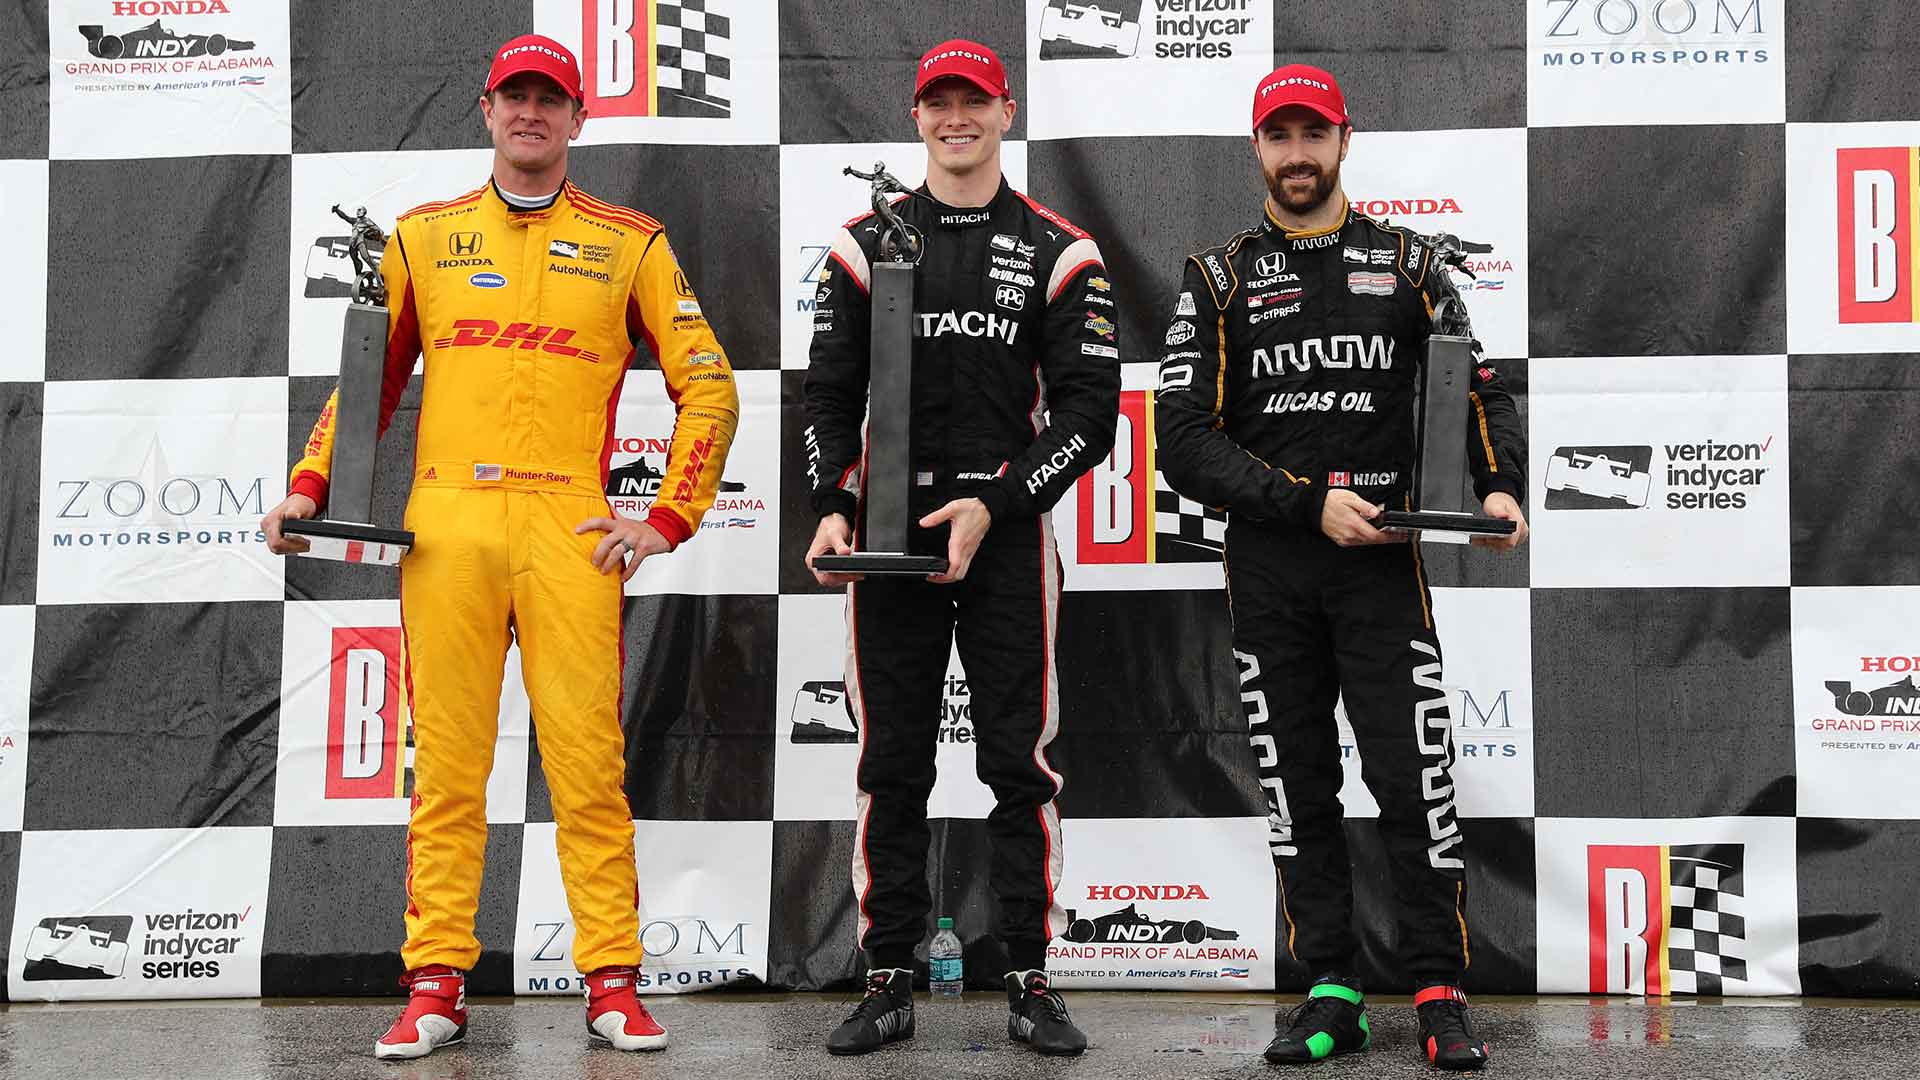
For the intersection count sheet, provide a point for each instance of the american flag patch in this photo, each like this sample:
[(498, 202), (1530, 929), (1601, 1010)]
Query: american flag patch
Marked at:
[(486, 472), (1234, 973)]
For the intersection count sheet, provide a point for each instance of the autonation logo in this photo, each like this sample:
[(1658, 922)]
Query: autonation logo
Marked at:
[(1628, 33)]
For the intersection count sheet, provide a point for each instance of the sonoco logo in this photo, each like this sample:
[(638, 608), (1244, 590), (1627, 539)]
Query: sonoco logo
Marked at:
[(463, 243)]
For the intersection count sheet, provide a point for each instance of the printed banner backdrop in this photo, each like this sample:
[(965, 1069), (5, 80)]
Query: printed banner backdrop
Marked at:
[(1683, 715)]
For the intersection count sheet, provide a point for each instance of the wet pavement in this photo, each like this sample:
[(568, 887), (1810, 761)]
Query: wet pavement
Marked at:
[(735, 1036)]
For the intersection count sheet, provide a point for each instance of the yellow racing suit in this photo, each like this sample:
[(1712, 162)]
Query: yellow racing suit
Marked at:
[(528, 321)]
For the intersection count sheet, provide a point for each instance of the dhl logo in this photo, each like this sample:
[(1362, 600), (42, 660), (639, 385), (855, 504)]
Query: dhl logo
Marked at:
[(476, 333)]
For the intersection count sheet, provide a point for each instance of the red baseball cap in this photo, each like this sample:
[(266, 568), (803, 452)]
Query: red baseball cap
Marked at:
[(962, 59), (536, 53), (1299, 84)]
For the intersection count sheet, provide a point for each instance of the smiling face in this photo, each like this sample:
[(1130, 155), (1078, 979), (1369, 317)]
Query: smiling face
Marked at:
[(1300, 153), (531, 120), (962, 126)]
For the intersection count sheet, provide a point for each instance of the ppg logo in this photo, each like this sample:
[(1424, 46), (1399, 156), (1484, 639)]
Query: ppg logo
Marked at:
[(1271, 265), (1011, 297)]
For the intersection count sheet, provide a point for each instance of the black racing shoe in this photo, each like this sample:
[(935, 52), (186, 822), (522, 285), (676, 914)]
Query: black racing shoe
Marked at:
[(885, 1015), (1333, 1020), (1039, 1015), (1446, 1029)]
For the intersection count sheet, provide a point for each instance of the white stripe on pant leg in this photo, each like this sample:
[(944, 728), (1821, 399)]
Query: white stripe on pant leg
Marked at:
[(863, 803), (1050, 721)]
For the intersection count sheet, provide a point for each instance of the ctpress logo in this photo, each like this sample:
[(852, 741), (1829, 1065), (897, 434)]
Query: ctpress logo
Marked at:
[(1665, 919), (1879, 259), (369, 728)]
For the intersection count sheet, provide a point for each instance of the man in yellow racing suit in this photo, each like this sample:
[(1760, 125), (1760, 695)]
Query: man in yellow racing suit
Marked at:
[(528, 310)]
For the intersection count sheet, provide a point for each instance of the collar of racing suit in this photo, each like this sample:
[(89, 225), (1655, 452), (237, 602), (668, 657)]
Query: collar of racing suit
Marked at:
[(971, 217), (1272, 226), (517, 213)]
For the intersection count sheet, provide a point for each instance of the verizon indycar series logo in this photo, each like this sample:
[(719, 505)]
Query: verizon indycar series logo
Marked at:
[(1096, 29), (187, 944), (78, 947), (1708, 475), (1599, 477), (330, 271), (822, 714)]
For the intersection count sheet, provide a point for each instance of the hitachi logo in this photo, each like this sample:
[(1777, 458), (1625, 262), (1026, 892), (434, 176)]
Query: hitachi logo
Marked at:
[(1052, 467), (970, 323), (1146, 892), (1339, 351)]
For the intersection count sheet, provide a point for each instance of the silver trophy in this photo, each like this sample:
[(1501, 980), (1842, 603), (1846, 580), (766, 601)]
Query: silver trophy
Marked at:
[(1442, 411), (889, 519), (347, 533)]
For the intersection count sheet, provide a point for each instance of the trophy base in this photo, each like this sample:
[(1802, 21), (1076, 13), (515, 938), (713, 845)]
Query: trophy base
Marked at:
[(1444, 521), (346, 541), (881, 564)]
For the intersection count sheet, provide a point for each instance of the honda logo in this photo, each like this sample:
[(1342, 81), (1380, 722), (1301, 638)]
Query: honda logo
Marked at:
[(1271, 265), (463, 243)]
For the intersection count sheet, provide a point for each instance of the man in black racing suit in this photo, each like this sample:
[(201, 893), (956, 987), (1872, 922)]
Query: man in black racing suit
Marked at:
[(1287, 396), (1016, 385)]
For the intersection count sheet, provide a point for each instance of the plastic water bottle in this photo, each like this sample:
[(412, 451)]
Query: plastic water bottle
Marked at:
[(944, 961)]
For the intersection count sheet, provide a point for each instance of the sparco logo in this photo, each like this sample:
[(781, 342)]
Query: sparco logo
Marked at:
[(974, 324)]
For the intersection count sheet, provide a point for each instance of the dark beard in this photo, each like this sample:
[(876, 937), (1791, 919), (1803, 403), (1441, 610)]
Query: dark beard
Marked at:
[(1323, 184)]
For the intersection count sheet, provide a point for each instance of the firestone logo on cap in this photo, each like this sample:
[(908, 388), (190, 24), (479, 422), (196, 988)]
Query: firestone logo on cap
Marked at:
[(515, 50), (962, 59), (1294, 80)]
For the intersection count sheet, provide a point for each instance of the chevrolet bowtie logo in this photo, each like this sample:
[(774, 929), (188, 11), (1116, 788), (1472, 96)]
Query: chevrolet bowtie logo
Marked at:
[(463, 243)]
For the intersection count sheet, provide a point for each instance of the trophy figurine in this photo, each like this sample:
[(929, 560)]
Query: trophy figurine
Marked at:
[(1441, 413), (347, 533), (883, 542)]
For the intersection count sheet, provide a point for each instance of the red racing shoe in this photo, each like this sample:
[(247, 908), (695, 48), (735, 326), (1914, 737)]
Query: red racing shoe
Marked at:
[(436, 1014), (1446, 1029), (615, 1015)]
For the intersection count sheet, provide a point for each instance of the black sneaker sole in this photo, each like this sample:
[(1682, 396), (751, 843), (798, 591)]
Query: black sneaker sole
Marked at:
[(889, 1040)]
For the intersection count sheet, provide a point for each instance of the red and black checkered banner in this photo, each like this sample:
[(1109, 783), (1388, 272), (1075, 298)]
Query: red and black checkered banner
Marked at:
[(1685, 715)]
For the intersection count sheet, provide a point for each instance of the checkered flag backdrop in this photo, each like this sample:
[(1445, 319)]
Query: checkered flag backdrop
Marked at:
[(1684, 716)]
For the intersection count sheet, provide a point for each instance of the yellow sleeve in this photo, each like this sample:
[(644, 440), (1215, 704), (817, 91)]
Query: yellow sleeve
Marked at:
[(664, 310), (315, 468)]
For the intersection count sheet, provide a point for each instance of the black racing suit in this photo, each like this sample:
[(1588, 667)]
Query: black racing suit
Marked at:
[(1289, 368), (1016, 384)]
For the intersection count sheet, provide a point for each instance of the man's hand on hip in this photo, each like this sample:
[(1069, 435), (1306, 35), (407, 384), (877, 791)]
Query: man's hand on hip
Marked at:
[(834, 536), (1347, 519), (293, 507), (624, 537), (1502, 505), (971, 520)]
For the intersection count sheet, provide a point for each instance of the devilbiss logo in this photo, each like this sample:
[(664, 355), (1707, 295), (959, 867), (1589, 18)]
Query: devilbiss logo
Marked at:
[(1666, 919), (369, 728), (656, 57), (1127, 513), (1879, 258)]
